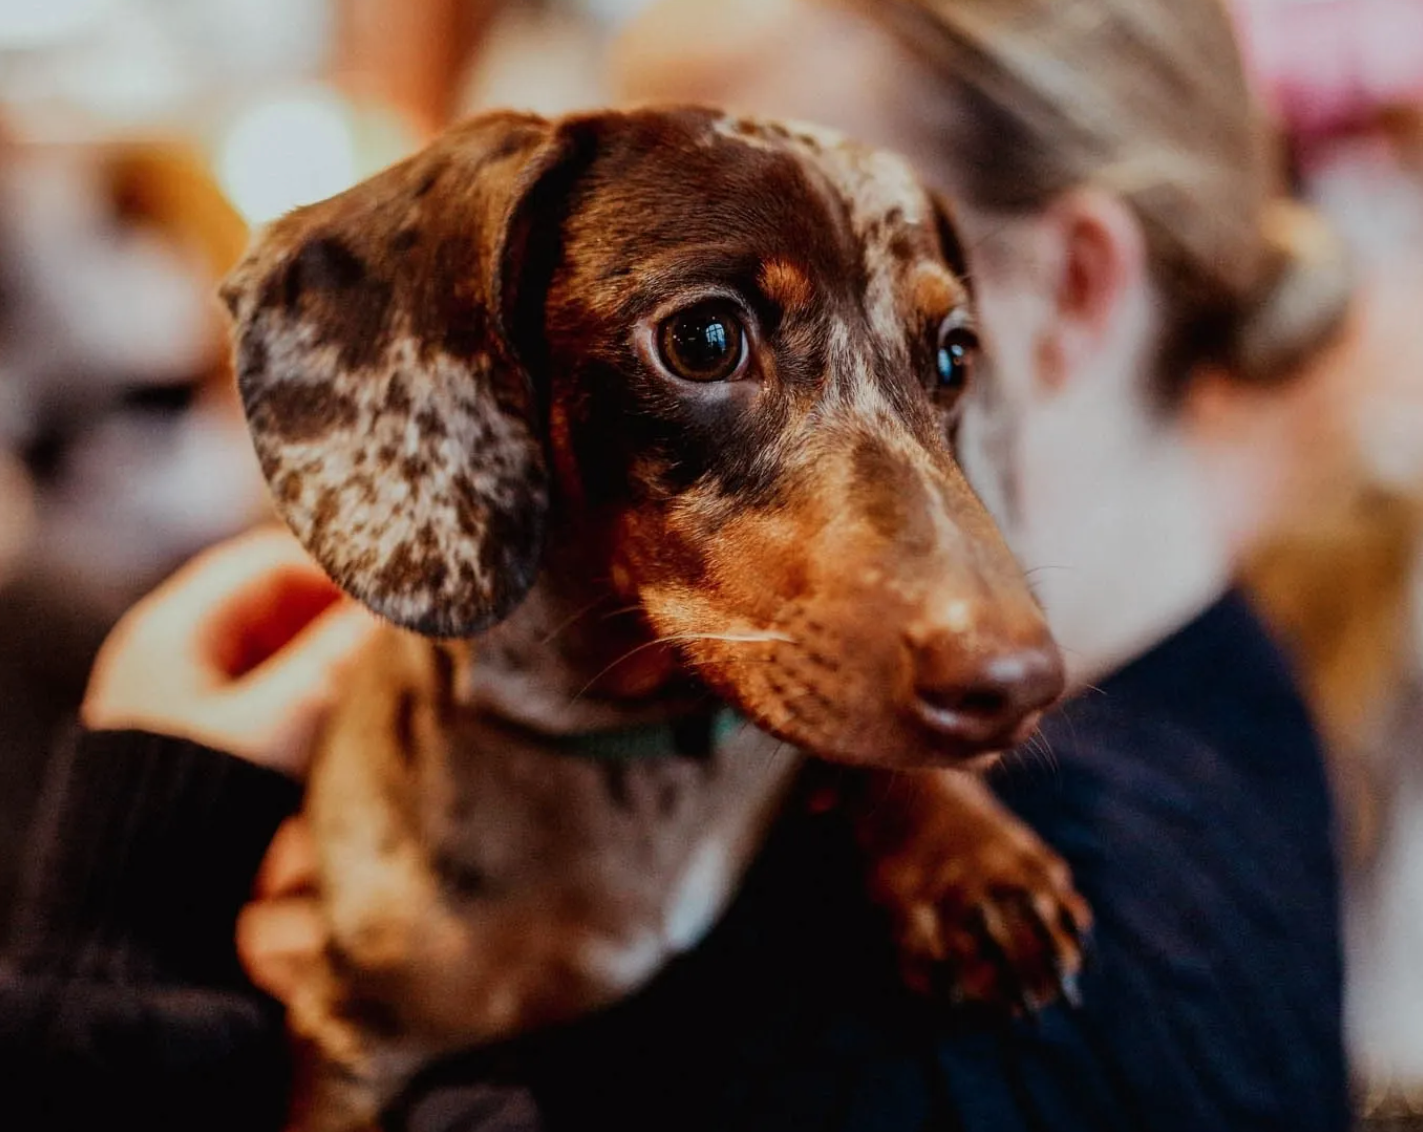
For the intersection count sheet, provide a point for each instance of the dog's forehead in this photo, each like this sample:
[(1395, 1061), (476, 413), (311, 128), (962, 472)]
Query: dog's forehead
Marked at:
[(888, 212), (875, 186)]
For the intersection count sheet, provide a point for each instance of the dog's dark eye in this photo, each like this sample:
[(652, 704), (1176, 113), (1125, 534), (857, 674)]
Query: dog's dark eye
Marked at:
[(955, 355), (703, 343)]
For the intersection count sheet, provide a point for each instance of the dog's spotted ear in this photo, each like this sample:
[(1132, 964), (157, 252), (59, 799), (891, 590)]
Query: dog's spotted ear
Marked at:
[(392, 413)]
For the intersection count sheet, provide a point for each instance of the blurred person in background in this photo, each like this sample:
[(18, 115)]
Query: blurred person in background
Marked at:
[(1343, 579), (122, 446), (1340, 574), (1161, 331)]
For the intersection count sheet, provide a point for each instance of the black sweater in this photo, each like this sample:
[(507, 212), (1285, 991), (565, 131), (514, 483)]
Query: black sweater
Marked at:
[(121, 1000), (1188, 795)]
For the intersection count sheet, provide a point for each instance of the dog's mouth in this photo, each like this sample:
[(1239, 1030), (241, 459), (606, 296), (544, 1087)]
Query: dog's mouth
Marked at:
[(850, 709), (884, 744), (970, 726), (944, 738)]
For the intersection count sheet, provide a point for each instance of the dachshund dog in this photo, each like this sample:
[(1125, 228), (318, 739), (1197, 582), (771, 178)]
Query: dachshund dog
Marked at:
[(638, 428)]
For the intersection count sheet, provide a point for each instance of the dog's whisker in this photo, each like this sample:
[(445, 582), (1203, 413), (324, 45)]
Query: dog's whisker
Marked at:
[(622, 611), (1066, 716), (1051, 755), (750, 637), (776, 754), (626, 656), (572, 619), (676, 638), (1039, 746), (1042, 569), (891, 782)]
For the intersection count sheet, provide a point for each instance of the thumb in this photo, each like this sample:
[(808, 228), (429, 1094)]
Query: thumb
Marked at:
[(293, 691), (310, 662), (280, 944)]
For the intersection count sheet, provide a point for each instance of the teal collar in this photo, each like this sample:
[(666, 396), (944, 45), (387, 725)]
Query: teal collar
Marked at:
[(697, 736)]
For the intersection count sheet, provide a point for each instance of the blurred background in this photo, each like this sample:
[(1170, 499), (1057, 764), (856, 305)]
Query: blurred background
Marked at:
[(140, 140)]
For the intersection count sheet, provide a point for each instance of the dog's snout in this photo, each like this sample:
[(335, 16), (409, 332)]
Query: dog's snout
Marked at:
[(982, 696)]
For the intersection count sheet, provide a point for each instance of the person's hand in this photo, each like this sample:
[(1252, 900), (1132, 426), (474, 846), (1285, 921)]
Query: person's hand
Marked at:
[(281, 934), (241, 650), (17, 512)]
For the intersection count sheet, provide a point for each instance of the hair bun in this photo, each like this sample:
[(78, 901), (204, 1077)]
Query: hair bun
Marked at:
[(1304, 294)]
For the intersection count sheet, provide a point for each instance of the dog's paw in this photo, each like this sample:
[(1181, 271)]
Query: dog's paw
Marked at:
[(985, 913)]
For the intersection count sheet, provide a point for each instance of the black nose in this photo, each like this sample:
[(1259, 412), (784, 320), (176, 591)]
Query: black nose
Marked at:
[(984, 698)]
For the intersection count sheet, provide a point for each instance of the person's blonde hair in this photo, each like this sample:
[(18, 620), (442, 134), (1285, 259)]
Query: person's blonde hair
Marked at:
[(1147, 99)]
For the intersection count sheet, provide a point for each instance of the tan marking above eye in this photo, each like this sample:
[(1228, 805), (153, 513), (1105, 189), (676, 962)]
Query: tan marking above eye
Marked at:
[(786, 285), (936, 292)]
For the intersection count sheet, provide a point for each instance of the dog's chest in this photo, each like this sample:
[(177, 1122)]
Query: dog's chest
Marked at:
[(500, 880)]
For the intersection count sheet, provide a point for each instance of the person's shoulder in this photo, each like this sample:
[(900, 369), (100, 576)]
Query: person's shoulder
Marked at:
[(1215, 705), (1189, 790), (1112, 748)]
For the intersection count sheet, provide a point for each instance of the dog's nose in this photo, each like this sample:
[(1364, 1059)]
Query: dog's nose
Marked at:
[(984, 698)]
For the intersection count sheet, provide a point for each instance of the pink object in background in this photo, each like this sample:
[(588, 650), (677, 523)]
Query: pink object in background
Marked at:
[(1325, 64)]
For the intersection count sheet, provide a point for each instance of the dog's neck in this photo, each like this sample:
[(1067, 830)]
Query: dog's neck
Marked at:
[(574, 658)]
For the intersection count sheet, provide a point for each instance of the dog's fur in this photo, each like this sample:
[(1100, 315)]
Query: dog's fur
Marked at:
[(453, 381)]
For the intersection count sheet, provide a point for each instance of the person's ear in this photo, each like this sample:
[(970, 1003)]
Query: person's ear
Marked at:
[(1097, 268)]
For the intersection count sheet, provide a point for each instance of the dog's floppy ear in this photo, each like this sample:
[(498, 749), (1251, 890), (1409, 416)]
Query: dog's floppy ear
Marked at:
[(393, 416)]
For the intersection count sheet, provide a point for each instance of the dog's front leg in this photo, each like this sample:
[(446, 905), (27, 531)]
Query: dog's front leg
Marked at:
[(984, 912), (347, 1074)]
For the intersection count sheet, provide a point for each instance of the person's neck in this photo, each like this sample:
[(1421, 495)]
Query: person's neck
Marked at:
[(1118, 542)]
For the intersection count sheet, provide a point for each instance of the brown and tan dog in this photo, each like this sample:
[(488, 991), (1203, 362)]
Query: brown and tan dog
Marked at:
[(659, 405)]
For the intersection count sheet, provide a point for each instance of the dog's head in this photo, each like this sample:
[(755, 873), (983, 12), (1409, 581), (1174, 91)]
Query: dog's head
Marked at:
[(720, 358)]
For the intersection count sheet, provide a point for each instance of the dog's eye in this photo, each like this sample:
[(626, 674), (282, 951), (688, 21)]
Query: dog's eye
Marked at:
[(956, 353), (705, 342)]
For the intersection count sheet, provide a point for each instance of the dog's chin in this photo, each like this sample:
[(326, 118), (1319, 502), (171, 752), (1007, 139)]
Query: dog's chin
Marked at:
[(895, 745), (972, 760)]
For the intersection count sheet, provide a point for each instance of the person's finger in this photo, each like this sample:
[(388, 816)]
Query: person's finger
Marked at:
[(263, 617), (310, 663), (209, 579), (186, 632), (278, 941), (17, 511), (275, 713), (289, 868)]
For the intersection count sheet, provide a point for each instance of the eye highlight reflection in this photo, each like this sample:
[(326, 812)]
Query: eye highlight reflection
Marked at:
[(703, 343), (955, 356)]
